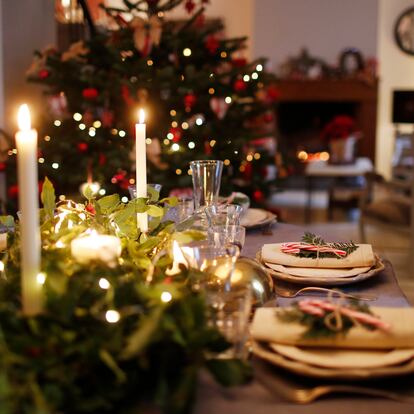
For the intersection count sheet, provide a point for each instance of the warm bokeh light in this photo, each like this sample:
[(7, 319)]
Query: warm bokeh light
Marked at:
[(303, 155)]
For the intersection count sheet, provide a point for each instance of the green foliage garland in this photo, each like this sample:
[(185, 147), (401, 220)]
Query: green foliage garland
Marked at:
[(70, 359)]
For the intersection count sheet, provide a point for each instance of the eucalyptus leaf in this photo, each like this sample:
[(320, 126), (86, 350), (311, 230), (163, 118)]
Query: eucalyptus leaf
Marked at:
[(112, 365), (153, 194), (143, 335), (88, 193), (108, 203), (48, 198), (171, 201), (155, 211)]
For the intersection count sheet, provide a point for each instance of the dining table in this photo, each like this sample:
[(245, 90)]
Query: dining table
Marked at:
[(272, 388)]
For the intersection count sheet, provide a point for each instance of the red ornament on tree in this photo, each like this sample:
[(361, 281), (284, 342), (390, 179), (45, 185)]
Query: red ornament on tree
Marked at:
[(82, 147), (189, 101), (2, 166), (102, 159), (248, 171), (239, 85), (126, 95), (239, 62), (43, 74), (177, 134), (212, 44), (107, 118), (87, 117), (90, 93), (200, 20), (258, 196), (189, 6), (207, 148)]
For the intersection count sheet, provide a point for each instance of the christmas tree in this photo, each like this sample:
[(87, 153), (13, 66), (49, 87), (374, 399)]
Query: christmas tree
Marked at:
[(203, 101)]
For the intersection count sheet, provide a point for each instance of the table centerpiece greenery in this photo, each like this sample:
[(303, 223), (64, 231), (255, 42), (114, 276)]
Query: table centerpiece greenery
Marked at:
[(72, 358)]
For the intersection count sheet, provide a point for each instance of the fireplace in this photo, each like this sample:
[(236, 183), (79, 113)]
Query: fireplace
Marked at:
[(307, 105)]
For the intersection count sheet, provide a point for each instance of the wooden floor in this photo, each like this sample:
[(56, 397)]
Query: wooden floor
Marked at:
[(391, 245)]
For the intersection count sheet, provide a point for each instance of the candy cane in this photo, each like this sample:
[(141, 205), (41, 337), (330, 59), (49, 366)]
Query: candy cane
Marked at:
[(357, 315), (294, 248)]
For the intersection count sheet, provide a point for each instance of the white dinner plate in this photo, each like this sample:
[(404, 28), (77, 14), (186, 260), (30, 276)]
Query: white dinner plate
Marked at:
[(256, 217), (344, 358), (323, 280), (263, 351)]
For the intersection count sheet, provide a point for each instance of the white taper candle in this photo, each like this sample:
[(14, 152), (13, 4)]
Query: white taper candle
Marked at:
[(141, 167), (26, 143)]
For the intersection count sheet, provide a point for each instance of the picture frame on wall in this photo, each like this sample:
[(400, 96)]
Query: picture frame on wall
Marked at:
[(351, 62)]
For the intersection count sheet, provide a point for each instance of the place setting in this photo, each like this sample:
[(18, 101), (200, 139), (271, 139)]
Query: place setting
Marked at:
[(314, 262)]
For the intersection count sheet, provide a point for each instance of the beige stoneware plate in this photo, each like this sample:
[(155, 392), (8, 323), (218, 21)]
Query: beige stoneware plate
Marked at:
[(323, 280), (256, 217), (262, 351), (344, 358)]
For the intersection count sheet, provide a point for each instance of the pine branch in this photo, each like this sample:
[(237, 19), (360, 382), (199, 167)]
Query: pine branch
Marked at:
[(315, 240)]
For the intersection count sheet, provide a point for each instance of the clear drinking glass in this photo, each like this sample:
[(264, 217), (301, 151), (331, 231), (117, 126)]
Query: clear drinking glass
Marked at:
[(222, 235), (206, 175), (227, 290), (185, 208), (223, 214)]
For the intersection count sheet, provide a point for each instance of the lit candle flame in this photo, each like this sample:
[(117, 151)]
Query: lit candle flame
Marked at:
[(141, 116), (23, 118)]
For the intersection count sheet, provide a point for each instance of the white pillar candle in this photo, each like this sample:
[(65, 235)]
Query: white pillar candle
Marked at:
[(26, 143), (141, 167), (96, 247)]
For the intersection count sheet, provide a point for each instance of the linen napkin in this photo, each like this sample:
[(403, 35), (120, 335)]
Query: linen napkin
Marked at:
[(361, 257), (266, 326), (321, 272)]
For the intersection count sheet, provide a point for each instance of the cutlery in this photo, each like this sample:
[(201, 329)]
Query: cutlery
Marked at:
[(300, 393), (287, 293)]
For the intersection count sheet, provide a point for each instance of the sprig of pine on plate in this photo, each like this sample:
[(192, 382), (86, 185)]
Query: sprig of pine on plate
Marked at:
[(320, 317), (312, 239)]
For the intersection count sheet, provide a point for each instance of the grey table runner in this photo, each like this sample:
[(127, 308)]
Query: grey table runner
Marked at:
[(254, 398)]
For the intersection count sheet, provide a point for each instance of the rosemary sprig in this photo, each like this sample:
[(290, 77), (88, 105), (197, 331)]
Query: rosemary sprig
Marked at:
[(311, 238), (315, 325)]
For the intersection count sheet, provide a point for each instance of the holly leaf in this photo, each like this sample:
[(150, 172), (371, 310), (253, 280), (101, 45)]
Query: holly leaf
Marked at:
[(48, 198)]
